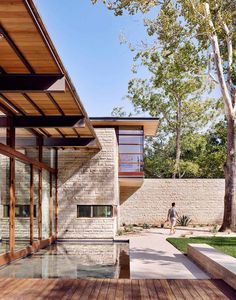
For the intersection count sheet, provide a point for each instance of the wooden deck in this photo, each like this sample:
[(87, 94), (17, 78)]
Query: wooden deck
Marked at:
[(61, 289)]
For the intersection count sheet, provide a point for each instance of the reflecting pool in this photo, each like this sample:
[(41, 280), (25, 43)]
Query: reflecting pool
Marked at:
[(73, 260)]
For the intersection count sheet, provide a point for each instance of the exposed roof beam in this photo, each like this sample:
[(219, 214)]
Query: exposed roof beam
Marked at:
[(53, 142), (44, 121), (16, 49), (67, 142), (32, 83), (56, 104), (12, 105), (33, 104)]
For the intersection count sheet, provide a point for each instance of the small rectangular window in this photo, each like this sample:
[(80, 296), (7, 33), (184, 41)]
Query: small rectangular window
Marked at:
[(21, 211), (84, 211), (94, 211), (102, 211)]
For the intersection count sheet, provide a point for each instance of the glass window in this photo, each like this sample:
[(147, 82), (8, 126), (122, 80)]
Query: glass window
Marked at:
[(36, 202), (102, 211), (131, 140), (4, 201), (21, 211), (84, 211), (22, 200), (54, 204), (45, 204), (134, 158), (131, 168), (26, 143), (49, 157), (94, 211), (131, 148), (3, 136), (130, 130)]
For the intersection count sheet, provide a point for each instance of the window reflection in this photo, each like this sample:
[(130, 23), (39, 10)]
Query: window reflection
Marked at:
[(131, 148)]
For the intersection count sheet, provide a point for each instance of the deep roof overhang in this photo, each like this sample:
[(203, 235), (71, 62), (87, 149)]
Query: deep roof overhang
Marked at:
[(149, 124), (34, 80)]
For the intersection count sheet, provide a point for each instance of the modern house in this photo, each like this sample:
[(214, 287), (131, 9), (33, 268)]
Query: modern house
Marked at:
[(61, 172)]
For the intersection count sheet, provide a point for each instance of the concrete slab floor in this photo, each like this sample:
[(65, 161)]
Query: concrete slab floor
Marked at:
[(152, 257)]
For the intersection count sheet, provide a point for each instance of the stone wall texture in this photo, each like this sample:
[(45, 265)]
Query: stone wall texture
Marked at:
[(88, 178), (201, 199)]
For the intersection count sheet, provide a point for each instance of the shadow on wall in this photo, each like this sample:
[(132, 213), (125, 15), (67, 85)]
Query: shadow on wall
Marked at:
[(126, 192), (71, 162)]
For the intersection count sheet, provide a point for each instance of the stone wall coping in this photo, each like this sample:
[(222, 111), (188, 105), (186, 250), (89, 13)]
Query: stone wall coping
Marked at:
[(215, 262), (183, 179)]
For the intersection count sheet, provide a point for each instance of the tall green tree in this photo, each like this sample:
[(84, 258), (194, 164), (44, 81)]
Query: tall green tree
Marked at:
[(173, 92), (211, 25), (203, 154)]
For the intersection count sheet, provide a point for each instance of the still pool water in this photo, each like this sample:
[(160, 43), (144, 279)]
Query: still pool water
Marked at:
[(73, 260)]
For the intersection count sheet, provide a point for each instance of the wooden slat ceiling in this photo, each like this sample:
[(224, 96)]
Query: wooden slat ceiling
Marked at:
[(21, 21)]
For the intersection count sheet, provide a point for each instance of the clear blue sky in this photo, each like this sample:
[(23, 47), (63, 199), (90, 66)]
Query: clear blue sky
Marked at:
[(87, 39)]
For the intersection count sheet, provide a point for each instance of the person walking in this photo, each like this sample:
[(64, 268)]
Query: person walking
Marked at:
[(172, 217)]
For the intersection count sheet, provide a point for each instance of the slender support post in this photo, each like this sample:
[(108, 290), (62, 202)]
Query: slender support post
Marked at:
[(11, 143), (50, 207), (56, 196), (40, 193), (31, 204)]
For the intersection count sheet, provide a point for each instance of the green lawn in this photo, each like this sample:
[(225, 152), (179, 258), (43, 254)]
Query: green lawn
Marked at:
[(224, 244)]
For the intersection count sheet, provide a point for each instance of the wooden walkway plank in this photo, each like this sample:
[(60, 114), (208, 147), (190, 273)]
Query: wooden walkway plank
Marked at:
[(4, 282), (214, 291), (188, 289), (175, 289), (69, 287), (120, 289), (199, 287), (127, 289), (103, 290), (80, 288), (50, 283), (168, 290), (111, 293), (57, 291), (151, 289), (15, 285), (159, 290), (24, 292), (143, 289), (88, 290), (109, 289), (37, 287), (96, 290), (224, 288), (136, 294)]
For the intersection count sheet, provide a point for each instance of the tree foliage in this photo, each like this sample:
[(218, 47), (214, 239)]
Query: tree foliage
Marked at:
[(174, 90), (203, 154)]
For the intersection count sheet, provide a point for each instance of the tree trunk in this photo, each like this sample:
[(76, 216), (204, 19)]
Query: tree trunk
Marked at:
[(178, 140), (229, 219)]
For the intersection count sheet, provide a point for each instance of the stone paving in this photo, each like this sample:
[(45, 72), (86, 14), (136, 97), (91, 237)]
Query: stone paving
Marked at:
[(152, 257)]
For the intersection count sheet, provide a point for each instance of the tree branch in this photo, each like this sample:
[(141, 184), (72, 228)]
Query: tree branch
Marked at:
[(219, 65), (229, 49)]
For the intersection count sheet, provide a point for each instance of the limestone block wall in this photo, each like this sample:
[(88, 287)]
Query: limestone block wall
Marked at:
[(201, 199), (88, 178), (22, 228)]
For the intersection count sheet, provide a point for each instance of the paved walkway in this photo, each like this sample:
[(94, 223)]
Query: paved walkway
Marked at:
[(152, 257)]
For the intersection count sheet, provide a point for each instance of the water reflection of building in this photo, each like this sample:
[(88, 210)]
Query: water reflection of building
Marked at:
[(70, 260)]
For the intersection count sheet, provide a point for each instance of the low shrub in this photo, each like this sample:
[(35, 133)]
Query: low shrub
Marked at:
[(146, 226), (183, 220)]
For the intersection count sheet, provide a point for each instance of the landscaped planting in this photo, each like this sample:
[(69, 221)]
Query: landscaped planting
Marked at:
[(224, 244)]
